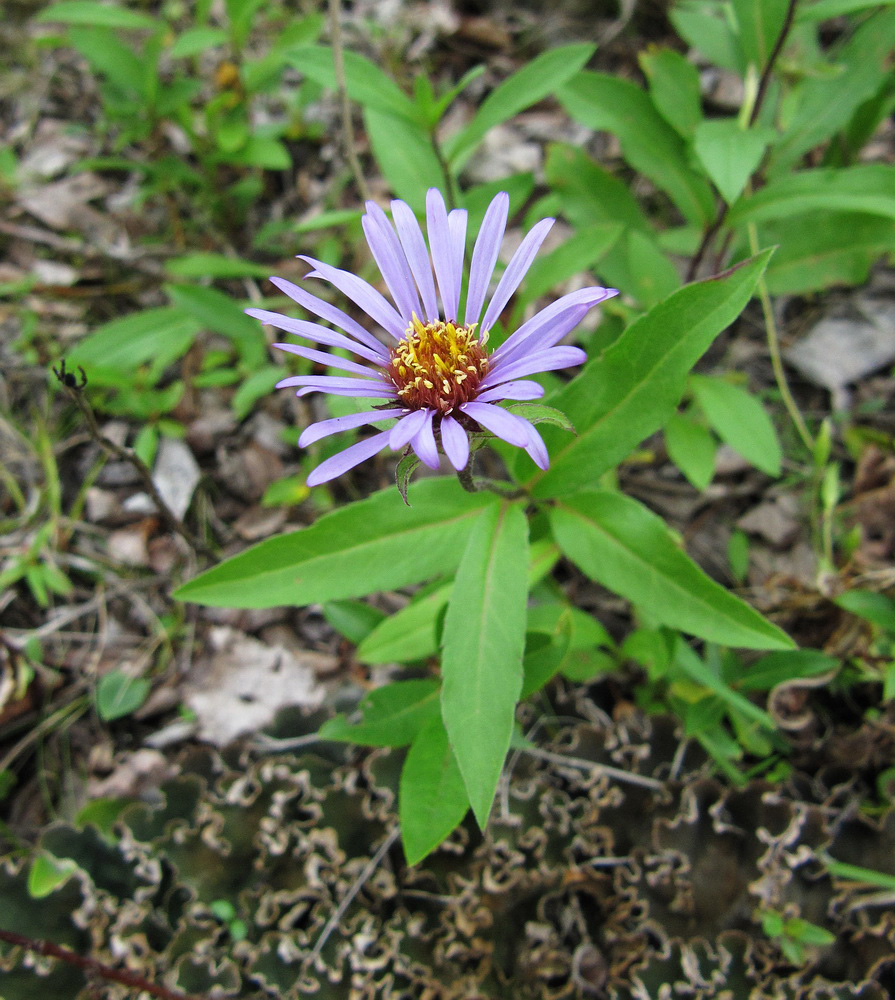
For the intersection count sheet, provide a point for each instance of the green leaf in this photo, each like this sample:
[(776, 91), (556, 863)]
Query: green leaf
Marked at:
[(484, 636), (109, 56), (195, 41), (102, 15), (118, 695), (412, 633), (432, 799), (125, 344), (47, 873), (590, 195), (409, 634), (261, 382), (538, 413), (365, 82), (827, 103), (707, 26), (624, 547), (405, 156), (542, 76), (857, 873), (692, 449), (823, 10), (265, 152), (653, 276), (869, 188), (374, 544), (220, 313), (545, 650), (760, 23), (788, 665), (354, 620), (840, 252), (674, 88), (869, 605), (631, 390), (729, 154), (696, 669), (740, 420), (648, 142), (393, 715), (214, 265)]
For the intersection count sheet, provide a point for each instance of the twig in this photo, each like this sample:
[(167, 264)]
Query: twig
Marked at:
[(75, 389), (760, 95), (772, 59), (348, 898), (619, 774), (335, 30), (92, 966)]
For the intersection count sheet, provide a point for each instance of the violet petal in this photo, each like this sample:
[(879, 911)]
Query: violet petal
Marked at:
[(516, 270), (424, 442), (442, 256), (504, 424), (406, 429), (320, 334), (348, 459), (323, 358), (323, 428), (361, 293), (552, 323), (512, 390), (387, 252), (543, 361), (330, 313), (454, 442), (336, 381), (484, 255), (414, 245)]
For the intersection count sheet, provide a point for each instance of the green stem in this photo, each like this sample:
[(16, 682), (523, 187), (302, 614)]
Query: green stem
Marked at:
[(770, 325)]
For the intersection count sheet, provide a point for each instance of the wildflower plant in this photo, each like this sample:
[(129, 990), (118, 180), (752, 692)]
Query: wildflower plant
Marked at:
[(424, 362)]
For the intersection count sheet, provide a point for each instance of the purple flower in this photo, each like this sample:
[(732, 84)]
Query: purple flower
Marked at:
[(437, 374)]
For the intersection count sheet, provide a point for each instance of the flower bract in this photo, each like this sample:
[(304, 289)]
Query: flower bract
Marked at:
[(430, 367)]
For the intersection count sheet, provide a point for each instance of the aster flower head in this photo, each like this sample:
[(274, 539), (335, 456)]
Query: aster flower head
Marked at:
[(434, 374)]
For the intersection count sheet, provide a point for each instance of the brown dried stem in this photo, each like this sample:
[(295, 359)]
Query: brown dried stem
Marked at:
[(335, 30), (75, 390), (93, 967)]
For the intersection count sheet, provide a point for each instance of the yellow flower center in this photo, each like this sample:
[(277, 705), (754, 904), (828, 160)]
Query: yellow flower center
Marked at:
[(438, 365)]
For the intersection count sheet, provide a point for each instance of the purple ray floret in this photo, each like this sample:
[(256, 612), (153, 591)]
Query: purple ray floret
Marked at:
[(434, 375)]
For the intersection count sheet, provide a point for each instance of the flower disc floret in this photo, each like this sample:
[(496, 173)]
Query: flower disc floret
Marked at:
[(438, 365)]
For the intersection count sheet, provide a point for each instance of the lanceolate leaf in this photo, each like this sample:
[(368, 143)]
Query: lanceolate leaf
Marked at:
[(432, 798), (405, 156), (827, 102), (739, 420), (869, 188), (620, 544), (529, 85), (375, 544), (365, 82), (484, 637), (412, 633), (760, 23), (393, 715), (630, 391), (649, 143)]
